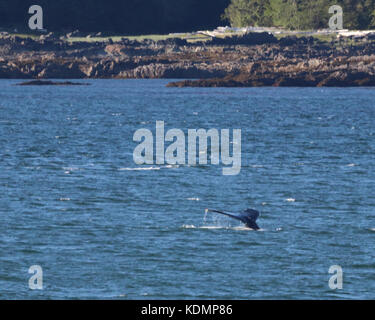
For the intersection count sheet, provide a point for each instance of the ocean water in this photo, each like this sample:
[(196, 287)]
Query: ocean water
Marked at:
[(73, 201)]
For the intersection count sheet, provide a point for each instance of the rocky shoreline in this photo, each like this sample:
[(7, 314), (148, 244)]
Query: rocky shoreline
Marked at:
[(257, 59)]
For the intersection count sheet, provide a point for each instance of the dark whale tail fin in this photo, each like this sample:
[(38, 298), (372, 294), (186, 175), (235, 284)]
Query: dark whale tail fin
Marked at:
[(248, 217)]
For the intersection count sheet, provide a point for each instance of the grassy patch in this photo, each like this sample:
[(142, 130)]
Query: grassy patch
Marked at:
[(194, 37), (191, 37)]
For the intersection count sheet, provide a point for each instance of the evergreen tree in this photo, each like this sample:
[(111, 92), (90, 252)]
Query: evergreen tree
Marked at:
[(299, 14), (242, 13)]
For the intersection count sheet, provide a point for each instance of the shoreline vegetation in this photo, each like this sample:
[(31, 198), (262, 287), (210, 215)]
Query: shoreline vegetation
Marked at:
[(231, 59)]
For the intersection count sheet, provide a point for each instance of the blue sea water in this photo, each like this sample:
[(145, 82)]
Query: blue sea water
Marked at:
[(73, 201)]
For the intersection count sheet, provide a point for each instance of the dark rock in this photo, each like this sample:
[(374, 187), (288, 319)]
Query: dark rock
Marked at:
[(250, 38), (173, 42), (288, 41), (61, 71), (51, 83), (338, 79)]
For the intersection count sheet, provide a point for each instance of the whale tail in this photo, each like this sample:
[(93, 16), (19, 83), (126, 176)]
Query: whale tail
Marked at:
[(248, 217)]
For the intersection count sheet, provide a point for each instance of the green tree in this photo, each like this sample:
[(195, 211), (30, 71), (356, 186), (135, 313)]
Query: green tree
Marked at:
[(241, 13), (313, 14), (284, 13), (299, 14)]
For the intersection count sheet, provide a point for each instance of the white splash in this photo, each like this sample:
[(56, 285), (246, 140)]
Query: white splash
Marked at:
[(189, 226), (64, 199), (70, 169), (239, 228), (290, 200), (139, 169), (171, 166)]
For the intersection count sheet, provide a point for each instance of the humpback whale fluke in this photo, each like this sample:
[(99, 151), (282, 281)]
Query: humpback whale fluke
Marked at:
[(248, 217)]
